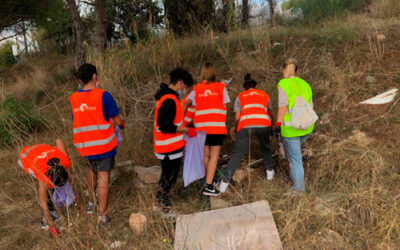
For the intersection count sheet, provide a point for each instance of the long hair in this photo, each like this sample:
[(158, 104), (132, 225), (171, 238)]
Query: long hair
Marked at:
[(208, 73)]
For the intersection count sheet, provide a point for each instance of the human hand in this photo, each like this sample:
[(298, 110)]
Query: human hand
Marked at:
[(54, 231), (191, 132)]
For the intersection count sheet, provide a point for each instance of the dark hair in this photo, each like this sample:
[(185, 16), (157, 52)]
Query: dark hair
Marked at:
[(180, 74), (57, 173), (85, 72), (249, 82)]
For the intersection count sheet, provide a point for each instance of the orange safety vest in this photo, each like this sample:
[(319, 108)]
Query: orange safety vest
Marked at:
[(254, 104), (189, 112), (33, 160), (168, 142), (210, 112), (93, 135)]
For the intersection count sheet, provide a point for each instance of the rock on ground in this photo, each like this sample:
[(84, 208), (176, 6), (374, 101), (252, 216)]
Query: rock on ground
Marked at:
[(137, 223), (148, 175)]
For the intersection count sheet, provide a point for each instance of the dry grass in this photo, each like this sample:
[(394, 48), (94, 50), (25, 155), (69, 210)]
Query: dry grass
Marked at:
[(353, 185)]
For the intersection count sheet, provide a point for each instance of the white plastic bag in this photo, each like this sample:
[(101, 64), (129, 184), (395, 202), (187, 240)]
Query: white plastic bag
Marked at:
[(303, 115), (193, 166)]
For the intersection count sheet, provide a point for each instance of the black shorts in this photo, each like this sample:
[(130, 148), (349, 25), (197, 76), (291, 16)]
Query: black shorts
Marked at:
[(101, 164), (214, 140)]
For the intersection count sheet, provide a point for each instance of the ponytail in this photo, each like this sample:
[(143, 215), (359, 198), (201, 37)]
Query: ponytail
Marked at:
[(249, 82)]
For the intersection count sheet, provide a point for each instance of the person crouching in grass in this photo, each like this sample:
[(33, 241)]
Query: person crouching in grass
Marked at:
[(49, 166)]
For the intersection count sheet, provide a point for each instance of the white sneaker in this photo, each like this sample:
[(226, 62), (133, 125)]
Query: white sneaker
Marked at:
[(223, 186), (270, 174)]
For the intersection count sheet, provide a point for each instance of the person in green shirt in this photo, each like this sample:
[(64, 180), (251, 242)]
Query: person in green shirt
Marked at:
[(289, 88)]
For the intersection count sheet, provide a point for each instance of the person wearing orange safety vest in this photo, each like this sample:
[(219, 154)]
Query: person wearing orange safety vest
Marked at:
[(93, 112), (168, 133), (253, 115), (49, 166), (210, 98)]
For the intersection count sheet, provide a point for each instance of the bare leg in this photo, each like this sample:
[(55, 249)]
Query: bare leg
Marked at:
[(91, 179), (212, 163), (206, 156), (103, 183)]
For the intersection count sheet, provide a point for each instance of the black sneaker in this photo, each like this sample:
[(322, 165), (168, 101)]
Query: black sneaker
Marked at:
[(210, 190)]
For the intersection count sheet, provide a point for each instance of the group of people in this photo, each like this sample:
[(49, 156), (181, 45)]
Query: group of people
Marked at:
[(181, 108)]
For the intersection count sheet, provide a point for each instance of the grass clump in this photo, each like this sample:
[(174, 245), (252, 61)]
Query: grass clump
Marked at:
[(16, 120)]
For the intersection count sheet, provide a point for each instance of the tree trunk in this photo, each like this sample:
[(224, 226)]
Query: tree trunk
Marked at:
[(272, 4), (80, 54), (101, 22), (229, 14), (245, 12)]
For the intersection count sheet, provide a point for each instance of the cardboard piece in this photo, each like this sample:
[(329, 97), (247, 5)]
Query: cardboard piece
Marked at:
[(249, 226)]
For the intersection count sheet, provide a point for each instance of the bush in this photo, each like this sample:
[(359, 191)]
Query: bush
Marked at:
[(16, 120), (7, 58), (317, 10)]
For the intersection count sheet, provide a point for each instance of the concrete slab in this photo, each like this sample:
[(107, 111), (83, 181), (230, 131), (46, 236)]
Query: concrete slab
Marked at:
[(249, 226)]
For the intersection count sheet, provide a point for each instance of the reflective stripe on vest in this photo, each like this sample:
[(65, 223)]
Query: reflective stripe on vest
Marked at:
[(246, 117), (92, 128), (170, 156), (95, 143), (168, 141), (247, 106), (29, 149), (210, 124), (211, 111), (191, 110)]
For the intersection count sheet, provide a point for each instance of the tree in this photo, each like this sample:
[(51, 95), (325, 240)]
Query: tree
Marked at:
[(186, 16), (245, 12), (80, 53), (272, 5), (134, 17), (228, 8), (101, 22)]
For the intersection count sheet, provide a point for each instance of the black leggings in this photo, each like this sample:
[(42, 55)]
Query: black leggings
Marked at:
[(169, 175)]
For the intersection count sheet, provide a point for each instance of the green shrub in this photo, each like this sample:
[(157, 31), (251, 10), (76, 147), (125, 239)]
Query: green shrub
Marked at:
[(7, 58), (16, 120), (317, 10)]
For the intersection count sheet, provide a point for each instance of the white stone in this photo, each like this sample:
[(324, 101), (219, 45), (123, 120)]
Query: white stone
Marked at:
[(148, 175), (249, 226), (137, 223), (117, 244)]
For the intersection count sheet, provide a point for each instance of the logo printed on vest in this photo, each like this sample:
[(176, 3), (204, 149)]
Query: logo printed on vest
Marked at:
[(84, 107), (44, 154), (208, 93), (251, 94)]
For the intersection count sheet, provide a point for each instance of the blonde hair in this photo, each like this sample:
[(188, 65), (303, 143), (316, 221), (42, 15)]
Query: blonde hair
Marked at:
[(208, 73), (290, 66)]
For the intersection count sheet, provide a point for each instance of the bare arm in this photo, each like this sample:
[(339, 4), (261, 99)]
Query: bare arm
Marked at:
[(237, 118), (271, 114), (61, 146), (281, 113), (186, 105), (43, 199), (181, 130)]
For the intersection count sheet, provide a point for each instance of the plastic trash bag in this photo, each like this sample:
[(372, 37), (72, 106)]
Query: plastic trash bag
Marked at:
[(118, 135), (193, 166), (63, 196)]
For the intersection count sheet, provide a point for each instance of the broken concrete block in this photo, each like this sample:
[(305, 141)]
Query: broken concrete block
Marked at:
[(138, 183), (249, 226), (217, 203), (148, 175), (137, 223), (383, 98)]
